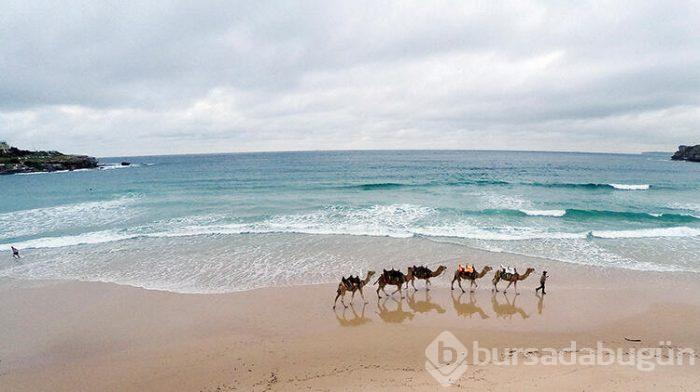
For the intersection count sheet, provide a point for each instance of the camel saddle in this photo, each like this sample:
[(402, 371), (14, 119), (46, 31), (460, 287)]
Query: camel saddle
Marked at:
[(421, 272), (507, 272), (393, 276), (351, 281)]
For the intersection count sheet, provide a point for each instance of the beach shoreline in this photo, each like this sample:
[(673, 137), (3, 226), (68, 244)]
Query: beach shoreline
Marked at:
[(103, 336)]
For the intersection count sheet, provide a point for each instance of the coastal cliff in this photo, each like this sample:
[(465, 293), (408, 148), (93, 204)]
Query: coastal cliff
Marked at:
[(687, 153), (13, 160)]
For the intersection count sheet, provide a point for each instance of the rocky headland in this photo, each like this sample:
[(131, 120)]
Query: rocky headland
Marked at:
[(14, 160), (687, 153)]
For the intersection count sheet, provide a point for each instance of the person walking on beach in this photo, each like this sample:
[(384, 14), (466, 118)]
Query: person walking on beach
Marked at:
[(543, 279), (15, 253)]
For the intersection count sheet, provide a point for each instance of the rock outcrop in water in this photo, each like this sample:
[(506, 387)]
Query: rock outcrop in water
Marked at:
[(13, 160), (687, 153)]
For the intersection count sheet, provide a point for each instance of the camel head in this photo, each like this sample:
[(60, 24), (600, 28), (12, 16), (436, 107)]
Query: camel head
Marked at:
[(440, 270), (370, 274), (527, 272), (487, 268)]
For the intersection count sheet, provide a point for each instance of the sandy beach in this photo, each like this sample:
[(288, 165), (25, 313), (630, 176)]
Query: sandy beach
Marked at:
[(68, 336)]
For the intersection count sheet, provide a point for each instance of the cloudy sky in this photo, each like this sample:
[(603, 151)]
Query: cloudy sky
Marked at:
[(120, 78)]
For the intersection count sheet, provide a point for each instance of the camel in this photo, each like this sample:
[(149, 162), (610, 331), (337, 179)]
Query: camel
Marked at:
[(508, 309), (352, 284), (424, 306), (423, 273), (510, 278), (394, 278), (468, 309), (470, 276)]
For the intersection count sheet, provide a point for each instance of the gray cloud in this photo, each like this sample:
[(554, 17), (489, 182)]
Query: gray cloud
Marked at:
[(111, 78)]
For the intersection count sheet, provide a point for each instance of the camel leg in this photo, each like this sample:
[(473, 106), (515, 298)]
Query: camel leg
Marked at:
[(495, 285), (516, 288), (412, 284), (363, 296), (352, 297), (378, 288), (452, 285), (506, 289), (427, 283), (336, 299), (459, 282), (383, 287), (398, 289)]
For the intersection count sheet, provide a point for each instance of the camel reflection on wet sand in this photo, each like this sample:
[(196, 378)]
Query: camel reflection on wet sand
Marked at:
[(508, 309), (398, 315), (467, 309), (355, 320), (424, 306), (429, 305)]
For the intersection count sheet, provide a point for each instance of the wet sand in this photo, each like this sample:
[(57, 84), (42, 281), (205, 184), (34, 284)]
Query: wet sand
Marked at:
[(68, 336)]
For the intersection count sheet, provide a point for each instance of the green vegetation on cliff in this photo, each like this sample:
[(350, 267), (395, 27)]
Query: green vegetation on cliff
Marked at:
[(14, 160)]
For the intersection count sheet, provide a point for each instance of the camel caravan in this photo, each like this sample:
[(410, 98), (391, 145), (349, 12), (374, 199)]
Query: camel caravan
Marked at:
[(401, 280)]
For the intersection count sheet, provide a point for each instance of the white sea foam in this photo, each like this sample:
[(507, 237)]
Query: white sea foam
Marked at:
[(97, 237), (490, 200), (648, 233), (41, 220), (54, 172), (397, 220), (112, 166), (556, 213), (467, 231), (631, 187), (686, 206)]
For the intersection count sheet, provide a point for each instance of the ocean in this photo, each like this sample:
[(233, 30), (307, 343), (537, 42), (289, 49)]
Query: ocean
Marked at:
[(229, 222)]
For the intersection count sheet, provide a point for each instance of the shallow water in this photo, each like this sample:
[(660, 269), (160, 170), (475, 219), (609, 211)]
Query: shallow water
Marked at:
[(204, 223)]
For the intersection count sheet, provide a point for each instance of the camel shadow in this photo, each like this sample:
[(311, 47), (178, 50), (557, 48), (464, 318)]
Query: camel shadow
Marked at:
[(355, 319), (424, 306), (468, 309), (397, 315), (508, 309)]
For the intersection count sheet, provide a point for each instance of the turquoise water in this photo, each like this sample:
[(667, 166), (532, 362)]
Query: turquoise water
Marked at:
[(217, 214)]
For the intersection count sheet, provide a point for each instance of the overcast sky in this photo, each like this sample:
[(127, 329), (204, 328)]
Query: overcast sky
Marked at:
[(120, 78)]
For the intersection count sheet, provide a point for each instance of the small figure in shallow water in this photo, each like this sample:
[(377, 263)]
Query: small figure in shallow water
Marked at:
[(15, 253)]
